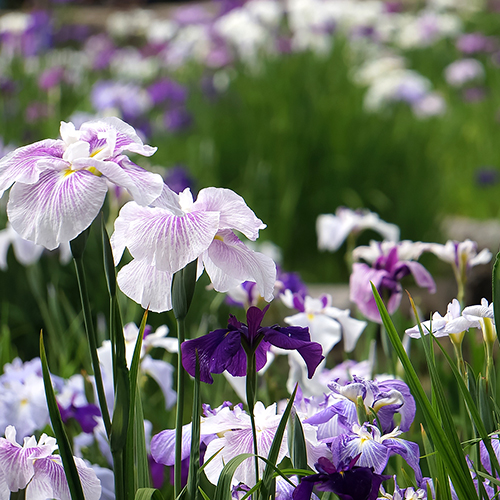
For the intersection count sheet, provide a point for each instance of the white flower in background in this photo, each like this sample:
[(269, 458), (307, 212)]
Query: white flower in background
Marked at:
[(244, 31), (373, 69), (157, 369), (407, 250), (332, 229), (267, 12), (14, 22), (191, 43), (461, 253), (460, 72), (129, 64), (161, 30), (134, 22)]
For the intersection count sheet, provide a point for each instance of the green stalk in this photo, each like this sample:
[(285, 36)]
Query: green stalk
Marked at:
[(89, 328), (251, 397), (181, 333)]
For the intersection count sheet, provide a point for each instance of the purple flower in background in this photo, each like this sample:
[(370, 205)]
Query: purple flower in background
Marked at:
[(225, 349), (347, 481), (474, 94), (178, 179), (59, 185), (177, 119), (291, 281), (51, 77), (167, 90), (386, 272), (487, 176), (472, 43)]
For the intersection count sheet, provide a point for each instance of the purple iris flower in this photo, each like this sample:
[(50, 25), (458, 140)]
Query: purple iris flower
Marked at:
[(177, 119), (386, 273), (166, 90), (347, 481), (226, 349), (84, 415), (291, 281)]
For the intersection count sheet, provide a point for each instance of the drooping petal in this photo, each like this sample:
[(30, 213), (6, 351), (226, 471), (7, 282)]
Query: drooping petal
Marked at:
[(289, 338), (146, 285), (229, 261), (234, 212), (351, 328), (216, 351), (25, 164), (161, 239), (163, 445), (50, 481), (423, 278), (408, 450), (57, 208), (361, 292)]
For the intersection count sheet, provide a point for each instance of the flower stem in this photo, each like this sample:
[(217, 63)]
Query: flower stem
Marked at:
[(180, 409), (251, 397)]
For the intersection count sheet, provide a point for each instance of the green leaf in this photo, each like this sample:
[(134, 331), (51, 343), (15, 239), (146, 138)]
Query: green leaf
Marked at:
[(296, 442), (223, 488), (75, 486), (442, 434), (148, 494), (203, 494), (496, 292), (183, 286), (109, 264), (194, 459), (267, 477), (136, 461)]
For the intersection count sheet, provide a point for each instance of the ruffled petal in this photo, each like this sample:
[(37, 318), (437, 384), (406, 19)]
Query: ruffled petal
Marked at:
[(57, 208), (161, 239), (146, 285), (25, 164), (125, 139), (50, 481), (228, 260), (234, 212)]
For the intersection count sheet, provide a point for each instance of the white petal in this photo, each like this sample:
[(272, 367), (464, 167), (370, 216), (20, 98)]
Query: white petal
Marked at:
[(161, 239), (234, 212), (146, 285), (56, 209), (229, 261), (24, 164), (162, 373)]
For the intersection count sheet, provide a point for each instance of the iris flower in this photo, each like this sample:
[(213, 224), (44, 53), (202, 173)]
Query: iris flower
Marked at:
[(347, 481), (175, 230), (59, 186), (388, 268), (224, 349)]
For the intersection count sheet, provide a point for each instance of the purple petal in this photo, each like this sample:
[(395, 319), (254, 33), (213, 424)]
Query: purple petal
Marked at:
[(361, 292), (254, 320), (163, 445), (57, 208), (423, 278), (289, 338), (215, 352)]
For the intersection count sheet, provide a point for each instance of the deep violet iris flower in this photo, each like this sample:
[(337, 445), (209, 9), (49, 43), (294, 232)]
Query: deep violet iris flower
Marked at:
[(226, 349), (348, 482)]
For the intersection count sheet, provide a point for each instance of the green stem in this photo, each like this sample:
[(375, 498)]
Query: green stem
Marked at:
[(89, 328), (180, 409), (251, 397)]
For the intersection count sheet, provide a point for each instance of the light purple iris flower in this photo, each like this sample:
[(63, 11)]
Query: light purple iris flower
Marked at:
[(175, 230), (34, 467), (386, 272), (375, 448), (59, 186), (385, 398), (223, 349)]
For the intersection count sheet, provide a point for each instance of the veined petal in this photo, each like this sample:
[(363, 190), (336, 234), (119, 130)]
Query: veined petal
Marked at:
[(50, 481), (57, 208), (161, 239), (234, 212), (373, 454), (163, 445), (228, 259), (24, 164), (126, 137), (146, 285)]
